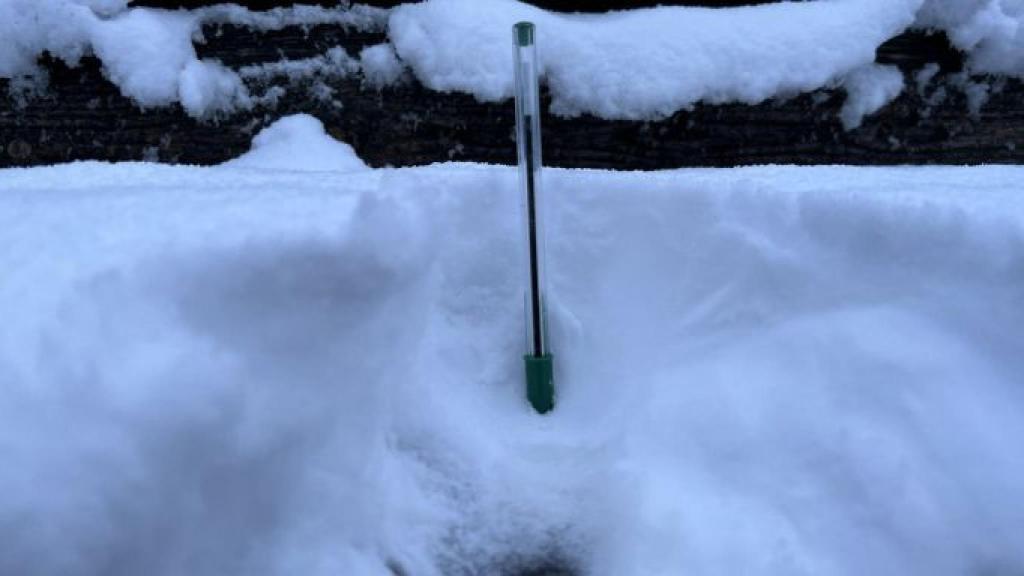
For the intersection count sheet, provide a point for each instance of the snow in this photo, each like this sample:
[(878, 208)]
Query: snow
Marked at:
[(291, 364), (148, 53), (636, 64), (334, 63), (104, 8), (647, 63), (643, 64), (358, 17), (924, 77), (380, 65), (868, 90), (145, 52), (991, 31), (977, 94), (207, 87), (298, 143), (30, 27)]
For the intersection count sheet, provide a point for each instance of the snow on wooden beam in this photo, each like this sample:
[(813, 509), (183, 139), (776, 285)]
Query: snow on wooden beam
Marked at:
[(83, 116)]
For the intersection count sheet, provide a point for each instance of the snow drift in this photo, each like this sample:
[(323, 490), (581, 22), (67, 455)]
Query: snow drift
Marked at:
[(767, 370)]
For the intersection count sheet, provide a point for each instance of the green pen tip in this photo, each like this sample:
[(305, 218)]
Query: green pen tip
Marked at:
[(524, 33)]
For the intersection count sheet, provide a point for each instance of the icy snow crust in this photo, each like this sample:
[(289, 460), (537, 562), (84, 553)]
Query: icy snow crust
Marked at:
[(774, 370), (637, 64)]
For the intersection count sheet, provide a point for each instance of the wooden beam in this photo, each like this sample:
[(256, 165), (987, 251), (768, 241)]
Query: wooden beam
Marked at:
[(83, 116)]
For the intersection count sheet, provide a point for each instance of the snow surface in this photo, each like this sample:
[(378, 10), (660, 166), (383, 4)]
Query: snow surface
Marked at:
[(635, 64), (772, 370)]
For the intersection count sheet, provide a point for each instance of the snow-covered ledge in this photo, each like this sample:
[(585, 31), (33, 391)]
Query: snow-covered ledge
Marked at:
[(638, 65)]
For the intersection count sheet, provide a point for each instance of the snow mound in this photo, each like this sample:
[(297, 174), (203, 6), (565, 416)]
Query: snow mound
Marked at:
[(298, 142), (761, 371)]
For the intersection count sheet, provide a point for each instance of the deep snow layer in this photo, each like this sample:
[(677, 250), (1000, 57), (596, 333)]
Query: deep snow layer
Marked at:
[(633, 64), (774, 370)]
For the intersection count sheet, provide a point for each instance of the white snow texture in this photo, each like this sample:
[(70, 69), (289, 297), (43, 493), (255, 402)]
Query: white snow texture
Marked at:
[(636, 64), (241, 370)]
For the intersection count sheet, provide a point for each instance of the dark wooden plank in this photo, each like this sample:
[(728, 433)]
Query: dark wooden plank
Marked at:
[(916, 48), (237, 46)]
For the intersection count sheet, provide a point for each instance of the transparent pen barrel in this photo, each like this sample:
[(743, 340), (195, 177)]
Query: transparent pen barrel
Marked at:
[(529, 153)]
